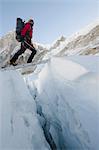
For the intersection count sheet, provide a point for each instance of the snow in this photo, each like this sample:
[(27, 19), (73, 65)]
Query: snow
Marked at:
[(67, 92), (56, 106), (71, 70), (89, 27), (89, 62), (83, 42), (84, 31), (81, 32), (19, 125)]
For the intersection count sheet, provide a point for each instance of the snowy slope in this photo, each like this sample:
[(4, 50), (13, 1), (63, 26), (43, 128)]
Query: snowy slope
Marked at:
[(9, 46), (67, 93), (19, 125), (84, 42), (58, 105)]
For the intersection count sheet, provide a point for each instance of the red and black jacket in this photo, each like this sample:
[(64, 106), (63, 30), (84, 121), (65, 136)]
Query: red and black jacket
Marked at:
[(27, 31)]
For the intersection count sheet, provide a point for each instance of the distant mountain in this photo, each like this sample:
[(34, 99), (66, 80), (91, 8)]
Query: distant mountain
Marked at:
[(84, 42), (54, 103)]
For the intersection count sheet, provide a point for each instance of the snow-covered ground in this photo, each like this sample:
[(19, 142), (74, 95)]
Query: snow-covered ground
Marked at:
[(56, 106), (66, 92), (84, 42), (19, 125)]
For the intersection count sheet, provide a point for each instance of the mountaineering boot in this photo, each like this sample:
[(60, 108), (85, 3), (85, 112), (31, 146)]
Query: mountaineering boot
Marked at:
[(13, 63)]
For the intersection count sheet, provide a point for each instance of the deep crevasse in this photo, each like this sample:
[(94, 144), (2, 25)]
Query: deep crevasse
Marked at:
[(67, 94), (19, 125)]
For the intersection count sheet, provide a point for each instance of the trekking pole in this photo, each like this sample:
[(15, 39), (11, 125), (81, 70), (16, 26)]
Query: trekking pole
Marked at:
[(29, 45)]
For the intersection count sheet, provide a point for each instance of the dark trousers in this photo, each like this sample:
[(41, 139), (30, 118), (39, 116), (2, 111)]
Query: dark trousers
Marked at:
[(24, 46)]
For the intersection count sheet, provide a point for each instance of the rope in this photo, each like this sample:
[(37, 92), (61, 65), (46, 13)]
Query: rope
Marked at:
[(29, 44)]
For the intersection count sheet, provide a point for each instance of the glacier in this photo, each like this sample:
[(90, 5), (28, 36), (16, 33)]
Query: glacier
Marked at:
[(19, 125), (66, 94), (52, 105), (84, 42), (56, 107)]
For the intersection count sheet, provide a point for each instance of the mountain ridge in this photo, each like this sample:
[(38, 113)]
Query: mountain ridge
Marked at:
[(84, 42)]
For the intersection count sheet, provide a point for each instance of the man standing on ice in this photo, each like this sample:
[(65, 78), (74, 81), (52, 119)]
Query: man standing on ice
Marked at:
[(26, 43)]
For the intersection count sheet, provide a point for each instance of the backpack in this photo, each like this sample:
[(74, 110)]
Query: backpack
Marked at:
[(19, 26)]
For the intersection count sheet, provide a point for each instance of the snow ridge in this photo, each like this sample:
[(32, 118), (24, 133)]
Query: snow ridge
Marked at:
[(19, 126), (69, 102)]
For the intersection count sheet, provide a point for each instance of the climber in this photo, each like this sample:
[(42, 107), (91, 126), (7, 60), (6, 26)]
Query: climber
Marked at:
[(25, 39)]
